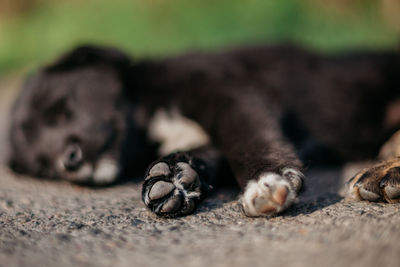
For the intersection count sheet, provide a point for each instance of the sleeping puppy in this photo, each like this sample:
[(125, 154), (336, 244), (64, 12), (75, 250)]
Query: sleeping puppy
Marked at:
[(265, 111), (71, 120)]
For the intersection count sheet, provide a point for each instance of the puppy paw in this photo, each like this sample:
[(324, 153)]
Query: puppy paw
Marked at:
[(271, 193), (378, 183), (171, 189)]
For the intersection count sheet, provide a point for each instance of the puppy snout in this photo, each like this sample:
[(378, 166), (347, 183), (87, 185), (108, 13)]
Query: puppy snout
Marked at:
[(72, 158)]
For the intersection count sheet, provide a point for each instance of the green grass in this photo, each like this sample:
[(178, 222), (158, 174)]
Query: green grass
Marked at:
[(160, 27)]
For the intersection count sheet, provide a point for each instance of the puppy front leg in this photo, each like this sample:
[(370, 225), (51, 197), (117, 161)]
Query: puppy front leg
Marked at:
[(265, 165)]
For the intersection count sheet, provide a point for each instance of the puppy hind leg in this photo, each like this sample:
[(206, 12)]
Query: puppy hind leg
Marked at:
[(381, 182)]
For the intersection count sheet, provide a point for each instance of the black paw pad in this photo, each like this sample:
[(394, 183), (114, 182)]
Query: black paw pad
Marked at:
[(160, 189), (171, 189)]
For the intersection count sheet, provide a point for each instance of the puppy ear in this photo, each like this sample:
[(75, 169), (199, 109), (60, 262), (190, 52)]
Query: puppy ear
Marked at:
[(87, 55)]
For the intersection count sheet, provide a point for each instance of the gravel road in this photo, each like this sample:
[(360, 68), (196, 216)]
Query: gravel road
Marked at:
[(45, 223)]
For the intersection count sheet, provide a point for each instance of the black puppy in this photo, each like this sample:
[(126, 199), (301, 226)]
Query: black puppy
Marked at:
[(265, 109)]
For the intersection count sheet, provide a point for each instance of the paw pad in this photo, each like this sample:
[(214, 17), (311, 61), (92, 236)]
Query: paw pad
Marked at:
[(379, 183), (160, 189), (171, 190)]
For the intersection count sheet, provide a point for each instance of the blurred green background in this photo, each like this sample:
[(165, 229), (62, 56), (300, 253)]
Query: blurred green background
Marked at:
[(34, 31)]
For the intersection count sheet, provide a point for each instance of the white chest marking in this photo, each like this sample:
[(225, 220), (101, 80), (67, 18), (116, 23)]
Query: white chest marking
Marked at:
[(175, 132)]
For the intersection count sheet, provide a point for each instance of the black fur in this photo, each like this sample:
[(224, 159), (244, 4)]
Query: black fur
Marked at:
[(240, 97), (263, 107)]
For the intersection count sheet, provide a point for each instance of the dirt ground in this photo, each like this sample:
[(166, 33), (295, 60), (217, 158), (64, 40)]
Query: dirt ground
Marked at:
[(44, 223)]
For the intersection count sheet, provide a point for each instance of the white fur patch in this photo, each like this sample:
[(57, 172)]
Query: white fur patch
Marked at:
[(270, 194), (175, 132), (106, 171)]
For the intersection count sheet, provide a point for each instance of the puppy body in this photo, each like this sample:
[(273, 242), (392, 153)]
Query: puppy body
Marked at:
[(266, 110), (340, 101)]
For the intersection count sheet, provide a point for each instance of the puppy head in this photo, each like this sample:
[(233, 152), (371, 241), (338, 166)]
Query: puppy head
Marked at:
[(70, 119)]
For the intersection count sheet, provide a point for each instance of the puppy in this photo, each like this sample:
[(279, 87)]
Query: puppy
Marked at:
[(265, 111)]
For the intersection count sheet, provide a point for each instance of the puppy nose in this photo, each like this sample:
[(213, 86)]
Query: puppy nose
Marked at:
[(72, 157)]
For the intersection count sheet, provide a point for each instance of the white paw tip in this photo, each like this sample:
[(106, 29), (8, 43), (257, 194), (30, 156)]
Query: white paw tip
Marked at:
[(269, 195)]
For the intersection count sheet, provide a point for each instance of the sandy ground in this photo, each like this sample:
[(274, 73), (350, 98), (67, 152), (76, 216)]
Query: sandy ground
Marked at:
[(44, 223)]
